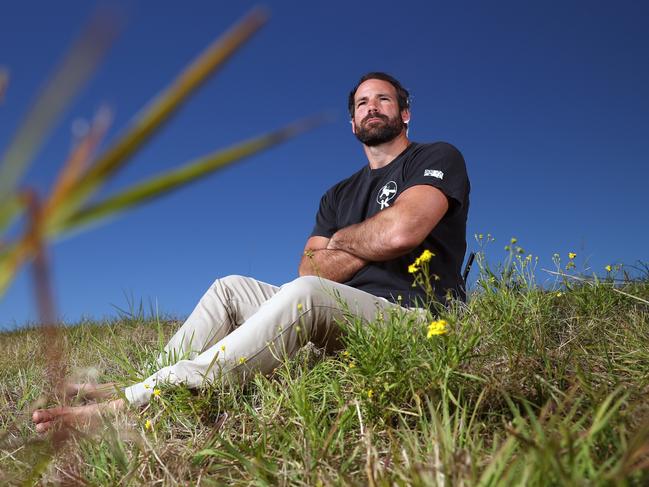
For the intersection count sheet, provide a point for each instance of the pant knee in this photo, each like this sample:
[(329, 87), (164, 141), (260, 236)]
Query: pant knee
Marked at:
[(305, 287), (228, 281)]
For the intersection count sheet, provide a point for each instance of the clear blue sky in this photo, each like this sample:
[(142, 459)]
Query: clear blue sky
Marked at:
[(548, 102)]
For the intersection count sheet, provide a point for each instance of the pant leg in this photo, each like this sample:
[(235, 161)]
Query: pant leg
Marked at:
[(224, 306), (303, 310)]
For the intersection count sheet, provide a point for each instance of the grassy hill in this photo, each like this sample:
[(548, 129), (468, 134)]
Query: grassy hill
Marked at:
[(527, 386)]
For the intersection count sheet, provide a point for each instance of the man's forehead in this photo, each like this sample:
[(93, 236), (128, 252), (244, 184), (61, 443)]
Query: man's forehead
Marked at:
[(374, 86)]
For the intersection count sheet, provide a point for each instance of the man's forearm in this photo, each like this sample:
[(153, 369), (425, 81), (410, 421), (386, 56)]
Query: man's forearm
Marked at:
[(374, 239), (394, 231), (335, 265)]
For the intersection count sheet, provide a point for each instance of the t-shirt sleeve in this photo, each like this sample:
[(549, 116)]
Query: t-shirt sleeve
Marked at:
[(442, 166), (325, 219)]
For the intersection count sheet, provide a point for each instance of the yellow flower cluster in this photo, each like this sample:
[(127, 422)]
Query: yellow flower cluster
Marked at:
[(148, 424), (425, 256), (438, 327)]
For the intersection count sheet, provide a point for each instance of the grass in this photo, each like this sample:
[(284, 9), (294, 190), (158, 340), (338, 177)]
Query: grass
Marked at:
[(529, 386)]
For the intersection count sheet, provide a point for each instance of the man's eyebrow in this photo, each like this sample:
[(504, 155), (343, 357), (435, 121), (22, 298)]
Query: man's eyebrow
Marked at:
[(366, 97)]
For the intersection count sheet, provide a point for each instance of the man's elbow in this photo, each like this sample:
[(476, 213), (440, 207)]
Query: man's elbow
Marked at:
[(403, 242), (305, 268)]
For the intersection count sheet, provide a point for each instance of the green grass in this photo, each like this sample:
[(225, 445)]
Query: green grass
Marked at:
[(528, 387)]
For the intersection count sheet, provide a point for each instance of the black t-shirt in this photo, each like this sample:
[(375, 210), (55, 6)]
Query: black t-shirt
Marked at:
[(371, 190)]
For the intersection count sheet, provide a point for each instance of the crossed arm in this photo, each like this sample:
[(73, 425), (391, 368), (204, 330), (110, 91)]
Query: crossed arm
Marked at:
[(390, 233)]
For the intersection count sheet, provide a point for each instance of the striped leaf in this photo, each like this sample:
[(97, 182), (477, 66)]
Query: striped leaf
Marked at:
[(172, 180), (159, 111), (66, 82)]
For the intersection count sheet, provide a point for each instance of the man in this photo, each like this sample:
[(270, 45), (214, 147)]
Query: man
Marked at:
[(409, 198)]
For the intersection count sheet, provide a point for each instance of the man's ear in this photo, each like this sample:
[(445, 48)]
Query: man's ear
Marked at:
[(405, 115), (353, 127)]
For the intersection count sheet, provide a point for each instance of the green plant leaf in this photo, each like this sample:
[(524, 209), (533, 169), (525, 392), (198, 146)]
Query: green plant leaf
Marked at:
[(159, 110), (177, 178), (66, 82)]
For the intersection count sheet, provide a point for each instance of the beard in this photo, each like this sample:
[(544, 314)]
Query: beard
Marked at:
[(379, 133)]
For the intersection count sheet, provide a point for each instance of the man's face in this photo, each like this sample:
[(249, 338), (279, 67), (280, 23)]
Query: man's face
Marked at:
[(377, 118)]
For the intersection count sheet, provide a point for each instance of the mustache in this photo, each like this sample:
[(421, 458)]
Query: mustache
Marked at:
[(385, 118)]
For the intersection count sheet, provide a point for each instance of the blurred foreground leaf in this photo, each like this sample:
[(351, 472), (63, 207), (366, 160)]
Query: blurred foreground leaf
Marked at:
[(67, 80), (174, 179), (159, 110), (66, 208)]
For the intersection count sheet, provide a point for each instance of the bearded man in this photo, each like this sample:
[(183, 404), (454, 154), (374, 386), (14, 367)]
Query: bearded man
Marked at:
[(410, 198)]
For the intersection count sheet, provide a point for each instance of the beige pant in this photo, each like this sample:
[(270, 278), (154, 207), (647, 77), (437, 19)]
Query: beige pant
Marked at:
[(242, 326)]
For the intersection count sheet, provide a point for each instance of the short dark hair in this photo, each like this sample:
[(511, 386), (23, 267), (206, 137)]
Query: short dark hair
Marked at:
[(403, 97)]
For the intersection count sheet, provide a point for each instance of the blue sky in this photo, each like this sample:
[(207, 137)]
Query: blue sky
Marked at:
[(548, 102)]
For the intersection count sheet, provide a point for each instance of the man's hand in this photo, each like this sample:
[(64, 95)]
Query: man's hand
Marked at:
[(396, 230), (335, 265)]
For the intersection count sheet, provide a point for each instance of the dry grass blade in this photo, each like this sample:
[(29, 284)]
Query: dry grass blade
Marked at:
[(161, 109), (172, 180), (73, 71), (78, 161), (52, 345)]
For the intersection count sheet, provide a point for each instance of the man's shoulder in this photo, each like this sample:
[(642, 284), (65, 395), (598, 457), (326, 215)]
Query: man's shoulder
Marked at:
[(440, 147)]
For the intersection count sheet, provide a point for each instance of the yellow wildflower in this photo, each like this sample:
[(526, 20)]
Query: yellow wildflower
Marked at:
[(242, 360), (608, 268), (222, 348), (148, 424), (425, 256), (559, 294), (412, 268), (299, 306), (370, 393), (507, 248), (513, 240), (438, 327), (571, 255), (352, 365), (156, 392)]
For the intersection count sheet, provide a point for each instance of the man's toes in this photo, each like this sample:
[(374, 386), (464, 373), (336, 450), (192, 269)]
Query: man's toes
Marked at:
[(45, 426), (40, 415), (43, 415)]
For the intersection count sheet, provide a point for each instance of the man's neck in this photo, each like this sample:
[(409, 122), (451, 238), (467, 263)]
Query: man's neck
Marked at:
[(382, 155)]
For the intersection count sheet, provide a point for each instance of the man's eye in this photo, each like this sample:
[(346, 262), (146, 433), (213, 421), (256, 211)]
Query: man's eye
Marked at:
[(360, 103)]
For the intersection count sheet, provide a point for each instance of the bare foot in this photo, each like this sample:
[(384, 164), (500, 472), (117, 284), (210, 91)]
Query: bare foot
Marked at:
[(90, 391), (46, 419)]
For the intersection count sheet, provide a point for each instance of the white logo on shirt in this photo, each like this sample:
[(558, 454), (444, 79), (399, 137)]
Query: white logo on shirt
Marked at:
[(434, 172), (386, 193)]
